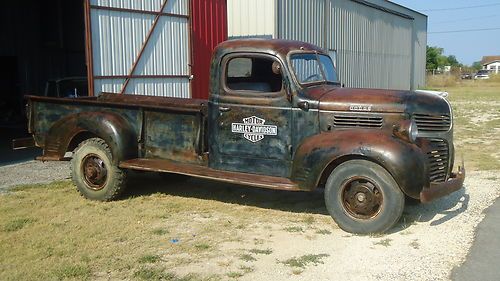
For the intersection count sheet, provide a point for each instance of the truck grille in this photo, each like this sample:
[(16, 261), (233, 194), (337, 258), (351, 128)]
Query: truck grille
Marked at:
[(432, 123), (357, 121), (438, 160)]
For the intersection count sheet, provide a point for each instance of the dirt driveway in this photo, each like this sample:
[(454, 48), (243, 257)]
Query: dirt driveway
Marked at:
[(427, 243)]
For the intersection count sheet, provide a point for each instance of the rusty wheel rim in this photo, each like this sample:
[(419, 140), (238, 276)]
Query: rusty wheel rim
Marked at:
[(94, 171), (361, 198)]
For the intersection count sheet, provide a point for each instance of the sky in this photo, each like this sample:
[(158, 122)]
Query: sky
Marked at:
[(461, 15)]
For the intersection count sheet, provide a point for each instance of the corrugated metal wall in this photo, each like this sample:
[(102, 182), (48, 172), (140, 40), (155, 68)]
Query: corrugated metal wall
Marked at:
[(375, 47), (208, 29), (119, 29), (419, 40), (251, 18), (302, 20), (375, 50)]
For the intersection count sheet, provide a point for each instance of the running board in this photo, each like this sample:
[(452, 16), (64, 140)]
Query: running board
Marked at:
[(158, 165)]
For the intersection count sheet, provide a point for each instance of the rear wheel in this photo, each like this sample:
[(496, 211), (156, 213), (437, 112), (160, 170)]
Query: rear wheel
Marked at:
[(93, 171), (362, 197)]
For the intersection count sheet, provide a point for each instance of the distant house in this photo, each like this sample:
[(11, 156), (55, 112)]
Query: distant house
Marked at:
[(491, 63)]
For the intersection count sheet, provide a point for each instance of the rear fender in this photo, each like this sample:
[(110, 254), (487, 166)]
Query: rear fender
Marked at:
[(319, 155), (112, 128)]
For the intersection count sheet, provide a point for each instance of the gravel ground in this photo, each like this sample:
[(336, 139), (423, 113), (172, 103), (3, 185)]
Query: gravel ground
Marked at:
[(32, 172), (429, 241)]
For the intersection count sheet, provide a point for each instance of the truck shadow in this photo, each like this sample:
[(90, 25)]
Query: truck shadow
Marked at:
[(144, 184), (437, 212)]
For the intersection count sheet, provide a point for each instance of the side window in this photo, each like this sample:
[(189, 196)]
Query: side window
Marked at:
[(254, 74), (239, 67)]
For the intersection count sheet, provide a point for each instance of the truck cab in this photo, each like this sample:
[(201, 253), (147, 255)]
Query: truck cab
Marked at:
[(277, 117)]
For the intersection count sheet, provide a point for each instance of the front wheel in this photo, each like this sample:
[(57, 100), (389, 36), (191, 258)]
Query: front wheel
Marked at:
[(94, 173), (362, 197)]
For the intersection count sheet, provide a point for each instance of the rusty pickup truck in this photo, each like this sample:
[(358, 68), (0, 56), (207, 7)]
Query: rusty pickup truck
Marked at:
[(276, 117)]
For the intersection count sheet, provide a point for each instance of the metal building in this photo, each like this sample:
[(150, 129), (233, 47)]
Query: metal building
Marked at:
[(152, 47), (375, 43)]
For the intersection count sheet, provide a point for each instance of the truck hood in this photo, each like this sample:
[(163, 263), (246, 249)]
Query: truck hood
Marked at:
[(332, 98)]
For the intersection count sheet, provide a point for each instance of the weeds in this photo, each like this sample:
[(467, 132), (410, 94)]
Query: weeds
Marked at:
[(384, 242), (17, 224), (80, 272), (247, 258), (414, 244), (305, 260), (323, 232), (294, 229), (261, 252), (149, 259)]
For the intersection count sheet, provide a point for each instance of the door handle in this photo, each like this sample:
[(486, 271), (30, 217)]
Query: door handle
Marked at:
[(224, 109)]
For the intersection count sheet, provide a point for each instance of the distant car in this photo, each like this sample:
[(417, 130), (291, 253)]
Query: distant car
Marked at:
[(466, 76), (482, 74)]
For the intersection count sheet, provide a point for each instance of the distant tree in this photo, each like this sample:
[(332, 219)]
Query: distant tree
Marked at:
[(433, 54), (477, 65), (452, 60)]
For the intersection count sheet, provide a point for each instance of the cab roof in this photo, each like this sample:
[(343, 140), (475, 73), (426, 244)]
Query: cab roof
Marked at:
[(273, 46)]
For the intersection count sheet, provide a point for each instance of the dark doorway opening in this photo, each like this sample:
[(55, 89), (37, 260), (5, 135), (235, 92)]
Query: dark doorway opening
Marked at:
[(42, 41)]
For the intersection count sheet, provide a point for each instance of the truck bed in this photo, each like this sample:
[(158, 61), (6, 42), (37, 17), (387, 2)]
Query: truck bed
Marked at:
[(164, 128), (136, 101)]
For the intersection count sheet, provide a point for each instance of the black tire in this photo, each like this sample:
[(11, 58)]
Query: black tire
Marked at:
[(93, 171), (363, 198)]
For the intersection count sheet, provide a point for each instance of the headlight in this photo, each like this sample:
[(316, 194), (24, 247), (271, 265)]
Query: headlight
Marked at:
[(406, 130)]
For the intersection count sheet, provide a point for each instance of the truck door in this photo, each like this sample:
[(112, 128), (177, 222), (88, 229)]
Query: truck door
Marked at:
[(251, 117)]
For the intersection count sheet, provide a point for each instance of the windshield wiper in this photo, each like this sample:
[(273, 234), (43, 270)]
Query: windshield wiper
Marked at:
[(334, 83)]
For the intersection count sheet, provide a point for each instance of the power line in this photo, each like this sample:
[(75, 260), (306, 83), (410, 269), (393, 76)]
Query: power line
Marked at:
[(464, 30), (465, 19), (460, 8)]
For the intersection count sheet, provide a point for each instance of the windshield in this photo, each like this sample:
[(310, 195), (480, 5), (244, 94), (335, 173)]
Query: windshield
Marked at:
[(313, 68)]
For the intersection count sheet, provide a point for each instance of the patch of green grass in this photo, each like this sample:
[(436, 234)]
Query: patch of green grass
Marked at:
[(149, 259), (305, 260), (159, 231), (293, 229), (202, 246), (234, 274), (17, 224), (247, 258), (261, 252), (323, 232), (79, 272), (384, 242)]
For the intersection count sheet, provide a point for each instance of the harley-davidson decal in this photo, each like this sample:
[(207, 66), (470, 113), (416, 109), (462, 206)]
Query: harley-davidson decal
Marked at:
[(253, 129)]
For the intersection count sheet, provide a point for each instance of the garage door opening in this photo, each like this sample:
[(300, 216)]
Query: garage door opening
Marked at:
[(42, 41)]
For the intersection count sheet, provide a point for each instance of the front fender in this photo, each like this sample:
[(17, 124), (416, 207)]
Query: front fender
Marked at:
[(404, 161), (116, 131)]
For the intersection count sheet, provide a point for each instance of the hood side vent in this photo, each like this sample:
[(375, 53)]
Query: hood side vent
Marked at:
[(432, 123), (349, 121)]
